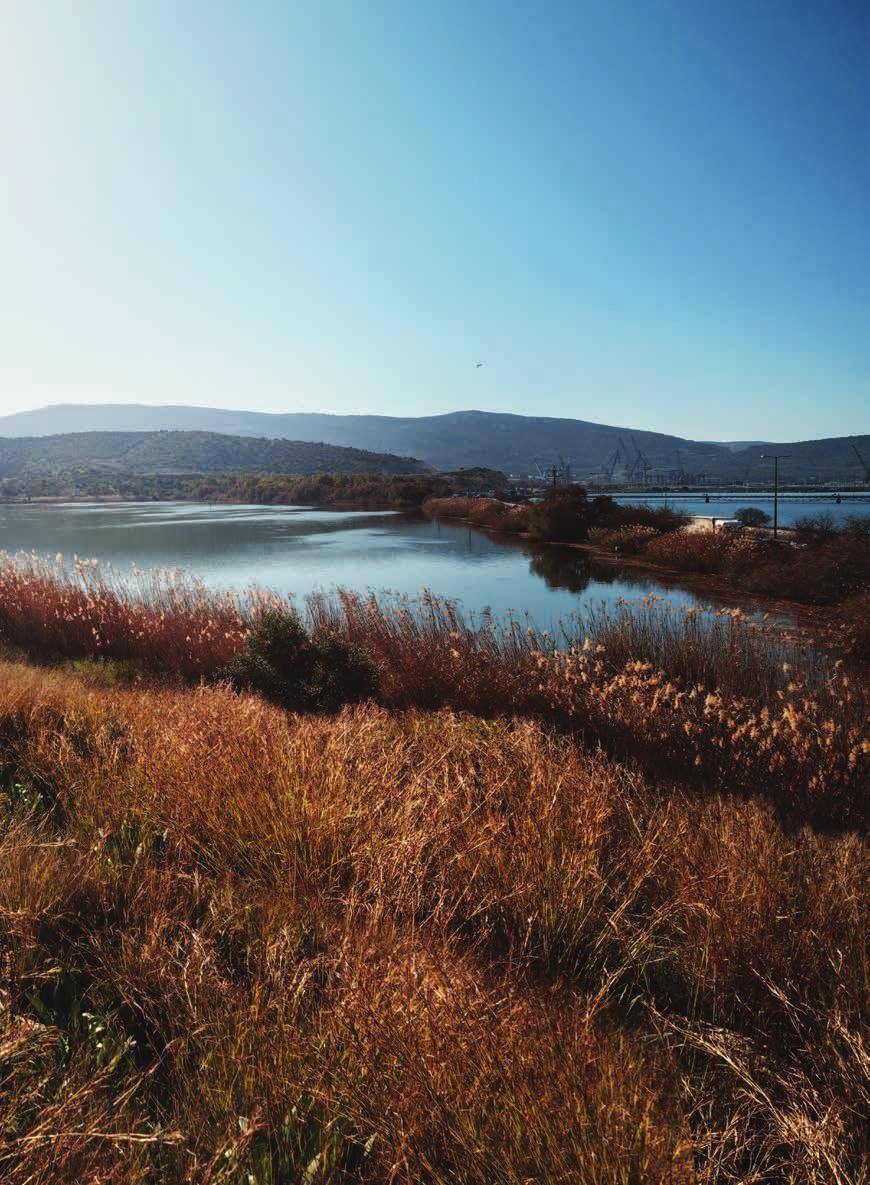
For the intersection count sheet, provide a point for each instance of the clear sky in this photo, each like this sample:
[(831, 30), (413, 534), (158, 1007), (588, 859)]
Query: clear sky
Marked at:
[(653, 213)]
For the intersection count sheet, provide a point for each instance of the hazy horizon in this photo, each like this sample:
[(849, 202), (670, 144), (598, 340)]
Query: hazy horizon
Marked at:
[(650, 215)]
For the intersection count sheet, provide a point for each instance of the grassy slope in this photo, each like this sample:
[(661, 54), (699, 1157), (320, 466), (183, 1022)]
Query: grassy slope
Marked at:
[(240, 946)]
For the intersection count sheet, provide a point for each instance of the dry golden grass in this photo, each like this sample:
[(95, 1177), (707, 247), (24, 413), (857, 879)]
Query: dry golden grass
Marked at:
[(711, 699), (625, 540), (161, 618), (397, 947), (716, 700), (827, 567)]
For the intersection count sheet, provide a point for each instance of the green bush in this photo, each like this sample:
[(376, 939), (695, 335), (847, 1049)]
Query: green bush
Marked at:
[(286, 665)]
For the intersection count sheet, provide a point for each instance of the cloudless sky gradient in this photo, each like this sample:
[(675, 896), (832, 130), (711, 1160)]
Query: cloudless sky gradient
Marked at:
[(653, 213)]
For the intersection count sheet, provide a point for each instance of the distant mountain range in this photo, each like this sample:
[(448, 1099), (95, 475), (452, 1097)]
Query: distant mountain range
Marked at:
[(511, 443), (188, 452)]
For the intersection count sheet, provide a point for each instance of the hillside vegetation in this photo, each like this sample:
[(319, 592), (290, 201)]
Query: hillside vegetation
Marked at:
[(496, 440), (90, 455), (338, 491)]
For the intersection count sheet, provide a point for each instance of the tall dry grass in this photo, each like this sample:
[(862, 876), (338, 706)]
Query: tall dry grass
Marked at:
[(827, 566), (712, 699), (160, 617), (819, 562), (627, 540), (241, 946), (491, 513), (716, 699)]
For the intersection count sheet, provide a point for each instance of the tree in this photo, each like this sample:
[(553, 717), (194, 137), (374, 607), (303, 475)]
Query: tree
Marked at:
[(752, 516), (563, 515)]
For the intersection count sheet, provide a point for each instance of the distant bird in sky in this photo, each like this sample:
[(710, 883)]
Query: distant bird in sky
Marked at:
[(478, 365)]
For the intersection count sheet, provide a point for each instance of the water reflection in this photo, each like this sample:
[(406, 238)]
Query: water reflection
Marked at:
[(562, 567), (295, 551)]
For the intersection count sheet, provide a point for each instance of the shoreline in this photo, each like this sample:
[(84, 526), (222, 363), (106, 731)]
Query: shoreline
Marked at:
[(117, 500), (812, 616), (823, 622)]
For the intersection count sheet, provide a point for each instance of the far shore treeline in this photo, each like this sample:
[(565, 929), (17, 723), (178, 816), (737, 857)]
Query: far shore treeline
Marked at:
[(339, 491)]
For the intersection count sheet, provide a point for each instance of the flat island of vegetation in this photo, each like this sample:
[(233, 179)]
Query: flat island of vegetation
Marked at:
[(361, 894)]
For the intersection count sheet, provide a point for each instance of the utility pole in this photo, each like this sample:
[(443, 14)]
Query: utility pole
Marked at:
[(776, 458)]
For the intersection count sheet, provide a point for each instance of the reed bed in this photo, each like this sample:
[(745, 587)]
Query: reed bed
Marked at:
[(829, 565), (243, 946), (159, 617), (824, 569), (490, 513), (628, 540), (717, 699)]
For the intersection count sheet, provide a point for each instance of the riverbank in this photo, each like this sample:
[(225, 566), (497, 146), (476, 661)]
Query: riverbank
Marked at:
[(833, 627), (326, 502), (647, 681), (119, 500), (333, 490), (817, 574)]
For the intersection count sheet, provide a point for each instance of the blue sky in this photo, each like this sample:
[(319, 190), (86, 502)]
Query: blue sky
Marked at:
[(651, 213)]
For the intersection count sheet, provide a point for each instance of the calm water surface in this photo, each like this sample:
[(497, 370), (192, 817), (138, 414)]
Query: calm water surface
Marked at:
[(791, 506), (297, 551)]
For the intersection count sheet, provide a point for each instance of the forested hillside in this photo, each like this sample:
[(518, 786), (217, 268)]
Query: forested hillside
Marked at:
[(188, 452)]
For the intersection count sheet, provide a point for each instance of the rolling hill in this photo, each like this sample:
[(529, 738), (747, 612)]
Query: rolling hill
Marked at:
[(188, 452), (511, 443)]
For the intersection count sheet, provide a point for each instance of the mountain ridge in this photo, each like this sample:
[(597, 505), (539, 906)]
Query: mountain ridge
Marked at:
[(499, 440)]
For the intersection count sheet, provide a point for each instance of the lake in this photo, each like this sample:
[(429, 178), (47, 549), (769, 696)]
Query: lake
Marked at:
[(792, 507), (294, 550)]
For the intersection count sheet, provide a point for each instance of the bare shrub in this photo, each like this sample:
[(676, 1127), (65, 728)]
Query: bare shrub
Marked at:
[(624, 540)]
